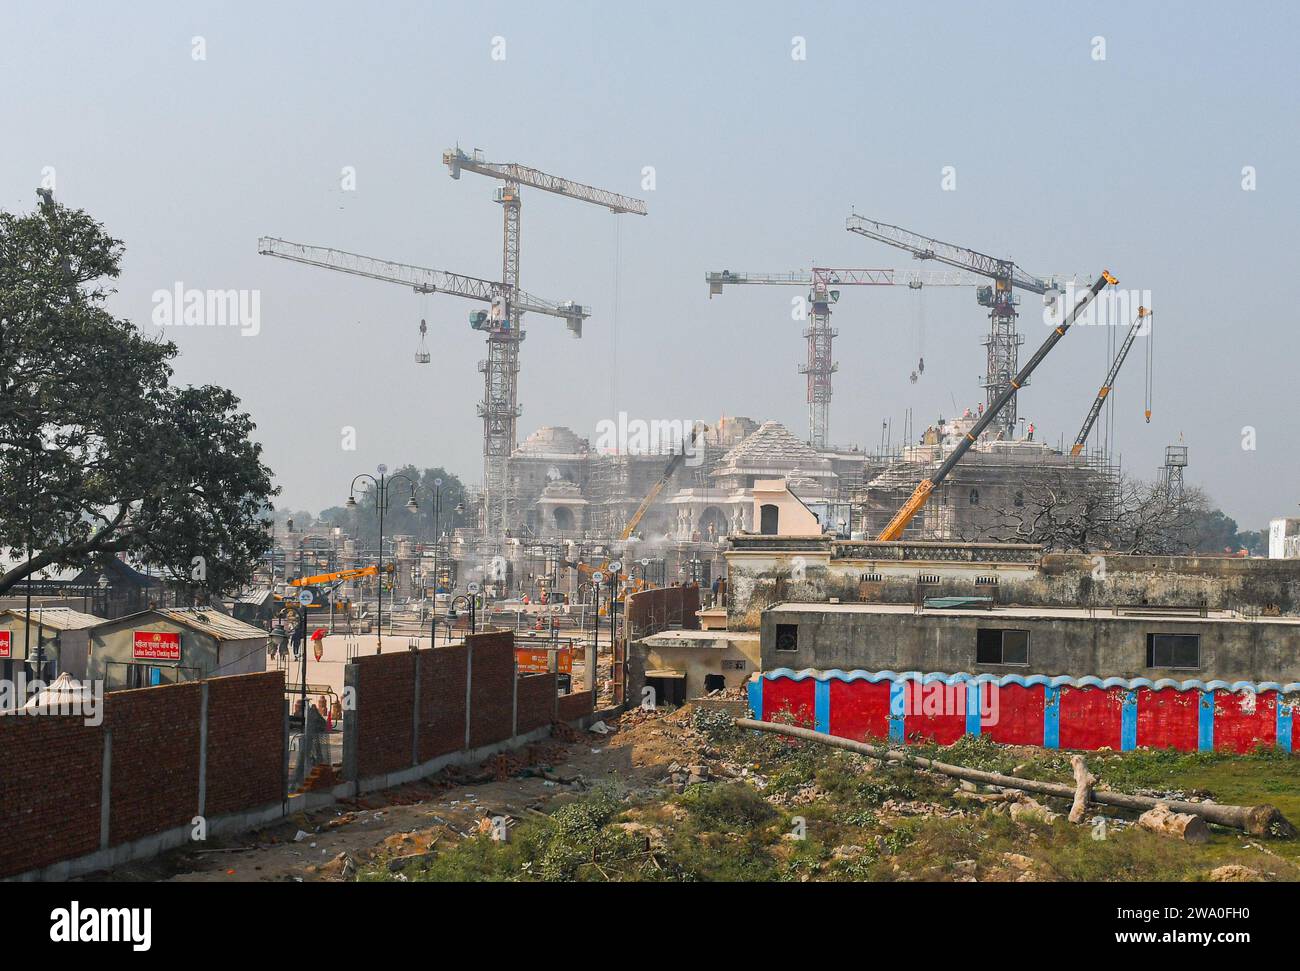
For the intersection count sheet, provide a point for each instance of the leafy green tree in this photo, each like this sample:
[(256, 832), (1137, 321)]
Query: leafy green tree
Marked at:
[(363, 521), (99, 453)]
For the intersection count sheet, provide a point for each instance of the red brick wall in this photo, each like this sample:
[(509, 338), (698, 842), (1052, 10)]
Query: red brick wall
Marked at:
[(574, 706), (385, 696), (492, 673), (51, 767), (50, 777), (442, 701), (155, 768), (245, 742), (536, 701)]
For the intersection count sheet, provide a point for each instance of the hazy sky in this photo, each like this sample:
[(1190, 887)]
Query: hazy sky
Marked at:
[(1063, 162)]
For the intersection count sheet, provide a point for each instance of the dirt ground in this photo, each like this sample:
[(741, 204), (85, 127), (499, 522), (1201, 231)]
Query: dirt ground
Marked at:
[(871, 821), (411, 818)]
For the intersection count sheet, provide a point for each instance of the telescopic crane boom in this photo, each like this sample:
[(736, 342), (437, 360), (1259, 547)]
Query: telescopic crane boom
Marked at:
[(673, 465), (1109, 383), (917, 500)]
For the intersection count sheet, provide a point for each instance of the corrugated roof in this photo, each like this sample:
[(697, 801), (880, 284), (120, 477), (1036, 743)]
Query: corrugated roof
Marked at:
[(59, 618), (202, 619), (212, 622)]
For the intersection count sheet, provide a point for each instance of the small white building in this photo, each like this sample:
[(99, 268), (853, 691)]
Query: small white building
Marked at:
[(1284, 538)]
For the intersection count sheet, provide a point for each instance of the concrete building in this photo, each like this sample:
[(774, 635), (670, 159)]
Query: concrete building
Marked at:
[(993, 480), (164, 645), (1284, 538), (684, 664), (1119, 642), (63, 636), (765, 570)]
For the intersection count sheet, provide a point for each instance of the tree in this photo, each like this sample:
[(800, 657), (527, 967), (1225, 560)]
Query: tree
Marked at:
[(363, 521), (99, 454), (1117, 514)]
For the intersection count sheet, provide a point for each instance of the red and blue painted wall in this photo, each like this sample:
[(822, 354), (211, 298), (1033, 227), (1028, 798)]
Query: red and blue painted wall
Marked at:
[(1062, 712)]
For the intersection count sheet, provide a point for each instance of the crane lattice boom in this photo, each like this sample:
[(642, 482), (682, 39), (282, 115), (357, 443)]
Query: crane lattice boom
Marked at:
[(457, 161), (958, 257), (418, 278)]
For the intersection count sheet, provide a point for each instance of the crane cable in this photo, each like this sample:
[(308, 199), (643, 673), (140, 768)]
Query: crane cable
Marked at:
[(613, 326), (1108, 426), (1150, 375)]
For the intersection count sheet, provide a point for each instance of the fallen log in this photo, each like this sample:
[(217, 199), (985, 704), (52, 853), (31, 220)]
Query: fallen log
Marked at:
[(1083, 783), (1262, 820), (1179, 826)]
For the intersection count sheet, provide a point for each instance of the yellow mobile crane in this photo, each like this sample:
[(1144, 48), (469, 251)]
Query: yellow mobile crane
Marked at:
[(917, 500), (340, 575), (669, 471), (1109, 383)]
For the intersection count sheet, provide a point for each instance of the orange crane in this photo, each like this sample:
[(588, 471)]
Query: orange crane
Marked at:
[(669, 471), (917, 500), (340, 575)]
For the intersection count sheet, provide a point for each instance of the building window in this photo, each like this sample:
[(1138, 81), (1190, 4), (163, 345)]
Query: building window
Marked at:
[(993, 645), (1019, 499), (787, 637), (1174, 651), (768, 515), (872, 578), (986, 581), (974, 497), (928, 578)]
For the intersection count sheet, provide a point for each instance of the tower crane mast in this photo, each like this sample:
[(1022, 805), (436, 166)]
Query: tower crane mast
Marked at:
[(824, 284), (1003, 343), (500, 406)]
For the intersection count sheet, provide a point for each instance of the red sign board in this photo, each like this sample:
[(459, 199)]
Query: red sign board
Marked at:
[(5, 643), (537, 660), (153, 645)]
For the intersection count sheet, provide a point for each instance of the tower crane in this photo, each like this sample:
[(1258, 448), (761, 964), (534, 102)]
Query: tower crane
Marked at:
[(500, 407), (423, 280), (496, 322), (922, 492), (1003, 342), (1142, 315), (824, 284)]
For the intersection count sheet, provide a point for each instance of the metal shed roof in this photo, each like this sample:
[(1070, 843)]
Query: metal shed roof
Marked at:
[(57, 618)]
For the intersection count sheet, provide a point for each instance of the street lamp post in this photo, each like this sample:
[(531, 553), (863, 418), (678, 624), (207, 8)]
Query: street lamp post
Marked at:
[(452, 615), (382, 497), (437, 541)]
